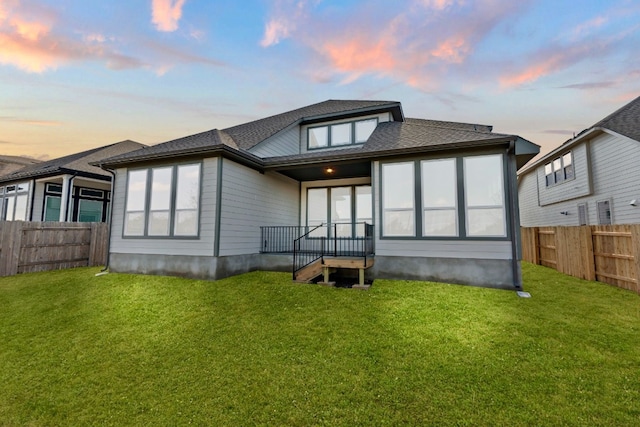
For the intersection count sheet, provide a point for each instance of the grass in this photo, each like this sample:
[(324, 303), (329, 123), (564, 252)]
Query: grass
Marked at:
[(255, 349)]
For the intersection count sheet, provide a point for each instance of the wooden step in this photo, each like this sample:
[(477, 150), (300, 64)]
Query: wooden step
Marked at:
[(309, 272), (348, 262)]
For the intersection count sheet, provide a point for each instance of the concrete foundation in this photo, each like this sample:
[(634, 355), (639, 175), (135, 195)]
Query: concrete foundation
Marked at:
[(474, 272)]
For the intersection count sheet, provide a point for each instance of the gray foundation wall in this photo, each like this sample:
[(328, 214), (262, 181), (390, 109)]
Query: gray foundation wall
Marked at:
[(490, 273), (197, 267), (474, 272)]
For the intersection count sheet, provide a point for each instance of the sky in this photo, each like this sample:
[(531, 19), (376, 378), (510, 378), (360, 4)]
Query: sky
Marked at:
[(77, 74)]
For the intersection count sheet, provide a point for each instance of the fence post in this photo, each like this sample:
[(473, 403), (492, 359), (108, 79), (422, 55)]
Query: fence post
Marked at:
[(586, 244), (536, 246), (635, 244)]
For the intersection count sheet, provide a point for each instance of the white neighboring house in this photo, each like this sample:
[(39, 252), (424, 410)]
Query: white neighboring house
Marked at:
[(591, 179)]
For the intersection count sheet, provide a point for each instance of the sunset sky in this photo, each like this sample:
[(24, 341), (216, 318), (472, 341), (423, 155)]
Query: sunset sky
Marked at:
[(77, 74)]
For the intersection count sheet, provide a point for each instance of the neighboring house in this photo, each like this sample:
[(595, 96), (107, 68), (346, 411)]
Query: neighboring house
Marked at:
[(437, 199), (65, 189), (593, 178), (9, 164)]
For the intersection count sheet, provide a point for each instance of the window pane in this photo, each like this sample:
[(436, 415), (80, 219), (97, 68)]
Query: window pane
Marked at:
[(363, 204), (10, 203), (397, 185), (398, 223), (317, 206), (23, 187), (485, 222), (439, 183), (161, 189), (566, 159), (137, 190), (364, 129), (483, 180), (89, 211), (341, 134), (341, 204), (441, 222), (557, 164), (318, 137), (158, 223), (134, 224), (547, 169), (52, 209), (188, 187), (186, 223), (21, 207)]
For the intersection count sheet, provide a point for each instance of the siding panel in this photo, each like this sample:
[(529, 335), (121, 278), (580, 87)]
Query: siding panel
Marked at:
[(282, 144), (251, 200)]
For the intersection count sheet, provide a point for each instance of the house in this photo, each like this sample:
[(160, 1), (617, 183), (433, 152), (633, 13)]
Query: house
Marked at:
[(333, 184), (592, 178), (10, 164), (65, 189)]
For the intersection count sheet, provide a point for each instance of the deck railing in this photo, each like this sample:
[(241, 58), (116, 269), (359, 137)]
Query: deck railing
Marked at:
[(308, 243)]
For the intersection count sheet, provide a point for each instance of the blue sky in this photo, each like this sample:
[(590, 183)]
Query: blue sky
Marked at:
[(81, 74)]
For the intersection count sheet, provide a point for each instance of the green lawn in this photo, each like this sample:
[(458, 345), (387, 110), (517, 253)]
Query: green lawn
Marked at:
[(76, 349)]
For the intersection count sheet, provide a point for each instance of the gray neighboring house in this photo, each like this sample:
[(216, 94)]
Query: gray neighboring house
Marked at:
[(66, 189), (9, 164), (593, 178), (420, 199)]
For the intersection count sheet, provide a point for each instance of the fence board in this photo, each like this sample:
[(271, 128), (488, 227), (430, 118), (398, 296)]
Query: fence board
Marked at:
[(41, 246)]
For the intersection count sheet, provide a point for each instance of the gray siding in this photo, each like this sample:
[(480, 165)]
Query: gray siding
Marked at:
[(472, 249), (567, 190), (202, 246), (284, 143), (250, 200), (615, 176)]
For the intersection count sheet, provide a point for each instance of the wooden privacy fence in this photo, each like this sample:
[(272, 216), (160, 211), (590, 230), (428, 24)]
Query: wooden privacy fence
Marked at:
[(606, 253), (40, 246)]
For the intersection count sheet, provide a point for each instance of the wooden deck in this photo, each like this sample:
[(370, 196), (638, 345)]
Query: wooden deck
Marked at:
[(330, 265)]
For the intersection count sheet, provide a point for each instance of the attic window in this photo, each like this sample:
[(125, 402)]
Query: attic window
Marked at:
[(340, 134), (559, 170)]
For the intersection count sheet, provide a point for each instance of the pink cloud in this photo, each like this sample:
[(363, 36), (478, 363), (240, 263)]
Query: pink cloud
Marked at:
[(419, 44), (165, 14)]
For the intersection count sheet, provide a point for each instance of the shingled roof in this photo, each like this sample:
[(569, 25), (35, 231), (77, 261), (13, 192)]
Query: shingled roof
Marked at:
[(411, 136), (625, 120), (395, 137), (247, 135), (80, 163)]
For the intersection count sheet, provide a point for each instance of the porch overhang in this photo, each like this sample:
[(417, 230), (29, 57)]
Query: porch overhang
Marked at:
[(327, 170)]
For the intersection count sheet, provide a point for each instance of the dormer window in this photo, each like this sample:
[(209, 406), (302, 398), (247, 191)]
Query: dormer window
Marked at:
[(341, 134)]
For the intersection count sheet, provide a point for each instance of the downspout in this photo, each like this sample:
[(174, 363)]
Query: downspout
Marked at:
[(512, 221), (108, 250)]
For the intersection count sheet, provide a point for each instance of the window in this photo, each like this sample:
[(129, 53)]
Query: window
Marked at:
[(135, 206), (398, 184), (582, 214), (89, 210), (604, 212), (163, 201), (459, 197), (559, 170), (340, 134), (16, 202), (364, 211), (439, 195), (338, 205), (52, 201), (484, 194)]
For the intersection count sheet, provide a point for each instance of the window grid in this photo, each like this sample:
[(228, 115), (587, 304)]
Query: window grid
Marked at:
[(340, 134), (559, 170)]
